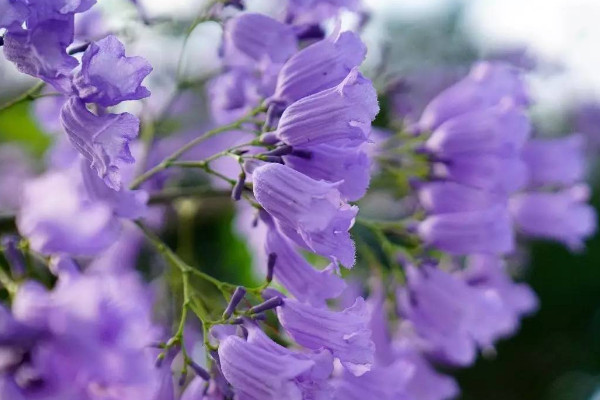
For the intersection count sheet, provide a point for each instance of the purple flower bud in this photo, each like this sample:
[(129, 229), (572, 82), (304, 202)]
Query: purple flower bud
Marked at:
[(14, 256), (182, 378), (269, 138), (201, 372), (271, 159), (272, 260), (270, 304), (238, 188), (237, 296), (280, 151)]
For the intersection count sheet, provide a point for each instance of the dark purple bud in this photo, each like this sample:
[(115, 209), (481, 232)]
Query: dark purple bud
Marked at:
[(280, 151), (273, 113), (182, 378), (78, 49), (243, 331), (273, 302), (306, 154), (14, 256), (215, 356), (238, 295), (238, 188), (240, 152), (272, 159), (239, 4), (308, 32), (259, 317), (201, 372), (271, 266), (269, 138), (159, 360)]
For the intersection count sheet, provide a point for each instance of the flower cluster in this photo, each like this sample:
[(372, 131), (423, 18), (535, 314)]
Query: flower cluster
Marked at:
[(350, 307)]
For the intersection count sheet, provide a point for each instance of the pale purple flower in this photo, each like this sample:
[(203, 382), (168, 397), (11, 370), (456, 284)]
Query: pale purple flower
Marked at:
[(40, 51), (234, 93), (498, 131), (487, 85), (310, 212), (125, 203), (107, 77), (301, 279), (381, 383), (251, 38), (102, 139), (492, 173), (485, 231), (345, 333), (439, 306), (341, 114), (555, 161), (563, 216), (319, 66), (258, 373), (12, 13), (426, 383), (104, 318), (57, 217), (501, 302), (444, 197)]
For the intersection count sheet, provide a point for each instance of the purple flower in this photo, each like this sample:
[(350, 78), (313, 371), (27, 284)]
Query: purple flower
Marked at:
[(103, 318), (502, 303), (234, 93), (125, 203), (439, 307), (57, 218), (498, 131), (340, 115), (498, 174), (319, 66), (251, 38), (381, 382), (484, 231), (294, 273), (102, 139), (107, 77), (563, 216), (445, 197), (426, 383), (258, 373), (350, 166), (555, 161), (346, 334), (310, 212), (486, 86), (12, 13), (40, 51)]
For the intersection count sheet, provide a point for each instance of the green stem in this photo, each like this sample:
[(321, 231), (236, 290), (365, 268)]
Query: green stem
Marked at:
[(29, 95), (6, 281), (168, 162)]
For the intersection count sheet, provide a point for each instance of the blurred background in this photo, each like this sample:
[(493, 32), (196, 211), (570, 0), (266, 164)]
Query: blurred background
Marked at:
[(423, 46)]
